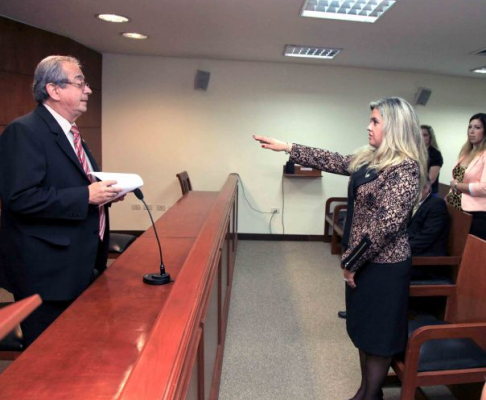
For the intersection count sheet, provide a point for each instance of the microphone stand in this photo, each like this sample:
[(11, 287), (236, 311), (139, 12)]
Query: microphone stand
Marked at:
[(161, 278)]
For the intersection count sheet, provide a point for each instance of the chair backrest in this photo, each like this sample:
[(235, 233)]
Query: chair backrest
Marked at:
[(184, 181), (460, 224), (468, 304)]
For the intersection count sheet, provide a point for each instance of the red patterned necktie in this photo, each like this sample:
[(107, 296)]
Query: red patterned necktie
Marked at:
[(78, 147)]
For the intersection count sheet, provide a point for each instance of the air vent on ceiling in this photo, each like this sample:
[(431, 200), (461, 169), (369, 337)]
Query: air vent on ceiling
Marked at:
[(310, 52)]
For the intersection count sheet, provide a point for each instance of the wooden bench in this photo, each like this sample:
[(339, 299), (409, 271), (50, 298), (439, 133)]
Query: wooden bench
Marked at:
[(460, 225), (452, 351)]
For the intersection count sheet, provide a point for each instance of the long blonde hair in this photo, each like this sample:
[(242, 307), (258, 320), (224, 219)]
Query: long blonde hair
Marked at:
[(402, 139), (468, 148)]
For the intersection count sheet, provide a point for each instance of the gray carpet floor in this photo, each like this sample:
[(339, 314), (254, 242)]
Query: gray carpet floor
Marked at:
[(284, 339)]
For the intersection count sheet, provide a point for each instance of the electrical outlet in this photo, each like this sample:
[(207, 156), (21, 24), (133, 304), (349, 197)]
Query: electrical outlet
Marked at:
[(161, 207), (136, 207), (149, 206), (275, 210)]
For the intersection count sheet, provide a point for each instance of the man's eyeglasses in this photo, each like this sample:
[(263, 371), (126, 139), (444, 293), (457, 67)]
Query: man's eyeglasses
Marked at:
[(80, 85)]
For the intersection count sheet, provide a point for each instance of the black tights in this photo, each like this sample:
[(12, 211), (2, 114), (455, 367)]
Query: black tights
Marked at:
[(374, 370)]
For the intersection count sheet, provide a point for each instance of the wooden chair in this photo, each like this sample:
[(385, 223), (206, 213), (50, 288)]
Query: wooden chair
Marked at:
[(334, 217), (184, 181), (452, 351), (460, 224)]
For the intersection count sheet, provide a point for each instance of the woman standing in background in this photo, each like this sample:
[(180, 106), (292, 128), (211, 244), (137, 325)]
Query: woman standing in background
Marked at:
[(386, 178), (434, 160), (468, 185)]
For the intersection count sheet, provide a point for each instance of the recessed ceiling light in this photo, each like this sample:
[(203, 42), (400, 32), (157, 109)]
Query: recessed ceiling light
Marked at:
[(134, 35), (480, 70), (118, 19), (310, 52), (347, 10)]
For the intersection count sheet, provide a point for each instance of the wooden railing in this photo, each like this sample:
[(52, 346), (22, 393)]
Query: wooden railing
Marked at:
[(183, 356), (122, 339)]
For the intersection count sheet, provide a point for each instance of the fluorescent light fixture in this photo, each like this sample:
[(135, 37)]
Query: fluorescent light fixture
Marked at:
[(117, 19), (347, 10), (310, 52), (133, 35), (480, 70)]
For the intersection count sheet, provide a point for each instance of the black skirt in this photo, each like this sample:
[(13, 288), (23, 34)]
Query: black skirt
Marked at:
[(377, 309), (478, 225)]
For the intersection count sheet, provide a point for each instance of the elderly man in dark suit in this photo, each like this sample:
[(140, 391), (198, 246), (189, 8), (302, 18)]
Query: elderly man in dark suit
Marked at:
[(54, 230)]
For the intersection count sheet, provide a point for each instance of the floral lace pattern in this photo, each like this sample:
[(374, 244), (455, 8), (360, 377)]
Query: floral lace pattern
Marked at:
[(382, 206)]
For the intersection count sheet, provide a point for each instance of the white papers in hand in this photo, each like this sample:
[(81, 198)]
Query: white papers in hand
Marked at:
[(126, 182)]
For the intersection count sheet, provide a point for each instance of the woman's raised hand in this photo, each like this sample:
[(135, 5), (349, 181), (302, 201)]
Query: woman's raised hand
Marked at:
[(272, 144)]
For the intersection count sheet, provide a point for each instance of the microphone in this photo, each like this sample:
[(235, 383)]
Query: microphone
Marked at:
[(161, 278)]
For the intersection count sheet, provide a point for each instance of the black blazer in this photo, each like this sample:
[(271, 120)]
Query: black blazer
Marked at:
[(48, 233), (428, 229)]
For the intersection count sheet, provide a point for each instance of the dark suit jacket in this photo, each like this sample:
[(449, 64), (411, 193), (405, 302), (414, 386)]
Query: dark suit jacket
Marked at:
[(48, 233), (429, 228)]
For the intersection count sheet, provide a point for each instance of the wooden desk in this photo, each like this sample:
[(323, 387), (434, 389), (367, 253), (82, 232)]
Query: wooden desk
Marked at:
[(122, 339)]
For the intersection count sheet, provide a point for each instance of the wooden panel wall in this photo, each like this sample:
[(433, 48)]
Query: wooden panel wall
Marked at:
[(21, 49)]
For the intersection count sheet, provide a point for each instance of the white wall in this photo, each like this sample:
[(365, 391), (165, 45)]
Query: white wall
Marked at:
[(155, 124)]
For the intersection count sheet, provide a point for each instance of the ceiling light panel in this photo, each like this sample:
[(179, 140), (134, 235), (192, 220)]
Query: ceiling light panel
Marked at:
[(347, 10), (117, 19), (480, 70), (134, 35), (310, 52)]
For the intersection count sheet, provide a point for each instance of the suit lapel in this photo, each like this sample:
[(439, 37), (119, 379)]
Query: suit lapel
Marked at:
[(61, 138), (363, 175), (92, 160)]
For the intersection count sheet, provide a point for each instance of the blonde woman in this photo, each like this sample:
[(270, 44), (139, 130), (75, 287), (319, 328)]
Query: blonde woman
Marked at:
[(468, 184), (384, 186)]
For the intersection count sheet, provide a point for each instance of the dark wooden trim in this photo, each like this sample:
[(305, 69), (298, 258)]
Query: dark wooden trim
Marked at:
[(280, 237), (23, 46), (185, 311)]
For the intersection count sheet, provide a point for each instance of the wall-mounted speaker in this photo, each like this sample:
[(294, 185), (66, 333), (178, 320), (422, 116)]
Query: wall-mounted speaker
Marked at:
[(202, 80), (422, 96)]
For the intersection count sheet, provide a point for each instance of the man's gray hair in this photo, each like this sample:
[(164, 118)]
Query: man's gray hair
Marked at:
[(48, 71)]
